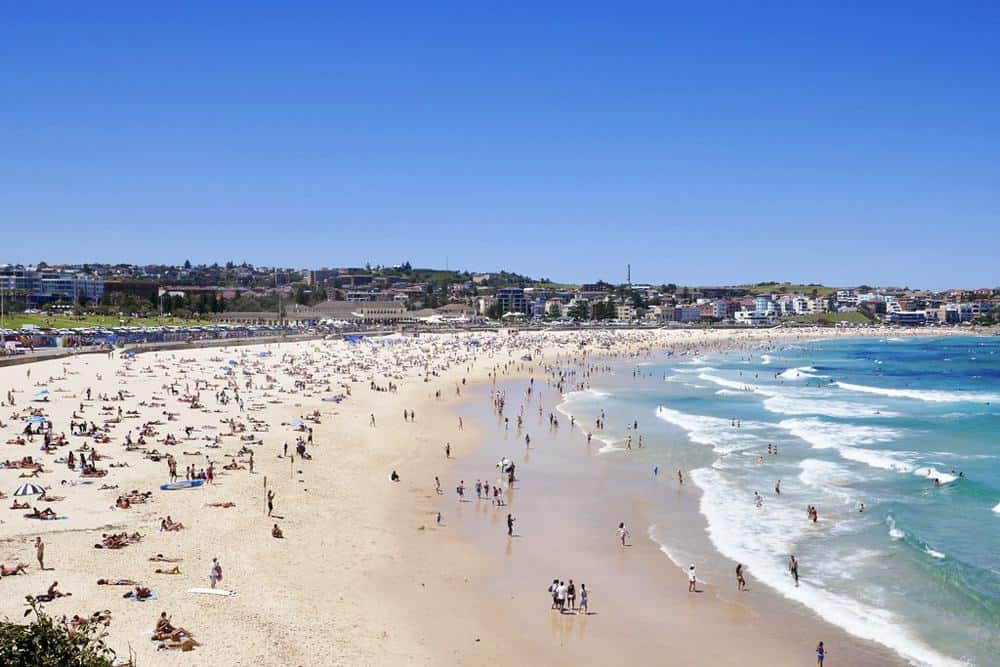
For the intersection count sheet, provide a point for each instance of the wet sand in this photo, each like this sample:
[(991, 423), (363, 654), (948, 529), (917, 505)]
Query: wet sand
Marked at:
[(364, 575)]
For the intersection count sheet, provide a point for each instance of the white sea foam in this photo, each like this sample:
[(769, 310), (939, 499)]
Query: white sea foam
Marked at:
[(845, 438), (765, 359), (929, 395), (799, 400), (800, 373), (933, 554), (933, 473), (729, 392), (894, 532), (716, 432), (828, 477), (651, 532), (996, 508), (794, 405), (761, 541)]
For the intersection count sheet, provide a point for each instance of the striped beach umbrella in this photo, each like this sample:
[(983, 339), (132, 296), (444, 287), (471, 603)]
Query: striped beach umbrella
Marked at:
[(29, 490)]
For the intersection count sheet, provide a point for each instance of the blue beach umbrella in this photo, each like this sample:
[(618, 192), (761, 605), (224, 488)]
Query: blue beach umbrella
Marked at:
[(29, 490), (37, 419)]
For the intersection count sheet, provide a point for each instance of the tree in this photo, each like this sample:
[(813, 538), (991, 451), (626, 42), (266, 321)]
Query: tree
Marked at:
[(555, 311), (46, 642), (187, 263), (493, 312), (579, 311), (604, 310)]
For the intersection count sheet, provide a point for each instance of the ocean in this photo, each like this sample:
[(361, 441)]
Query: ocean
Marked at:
[(907, 427)]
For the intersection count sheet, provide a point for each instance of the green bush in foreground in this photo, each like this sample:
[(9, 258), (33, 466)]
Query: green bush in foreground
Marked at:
[(47, 642)]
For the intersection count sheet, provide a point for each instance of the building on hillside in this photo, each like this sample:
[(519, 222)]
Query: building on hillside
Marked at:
[(39, 287), (511, 300), (625, 312)]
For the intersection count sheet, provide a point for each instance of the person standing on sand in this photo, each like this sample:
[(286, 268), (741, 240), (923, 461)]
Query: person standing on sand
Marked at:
[(40, 552), (571, 595), (437, 485), (680, 478), (741, 582), (584, 599), (692, 580), (510, 525), (820, 654), (447, 450), (215, 574), (270, 502)]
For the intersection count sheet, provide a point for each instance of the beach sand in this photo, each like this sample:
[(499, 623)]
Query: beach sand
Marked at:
[(364, 574)]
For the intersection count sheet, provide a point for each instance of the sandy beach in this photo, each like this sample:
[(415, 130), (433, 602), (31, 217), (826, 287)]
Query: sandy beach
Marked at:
[(364, 574)]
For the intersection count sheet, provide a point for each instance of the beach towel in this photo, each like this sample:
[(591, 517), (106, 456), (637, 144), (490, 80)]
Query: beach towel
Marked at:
[(182, 484), (133, 598)]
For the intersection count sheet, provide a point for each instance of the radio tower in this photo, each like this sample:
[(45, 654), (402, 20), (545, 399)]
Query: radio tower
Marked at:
[(628, 274)]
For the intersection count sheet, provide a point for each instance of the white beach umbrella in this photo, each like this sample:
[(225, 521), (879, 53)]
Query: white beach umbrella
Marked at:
[(29, 490)]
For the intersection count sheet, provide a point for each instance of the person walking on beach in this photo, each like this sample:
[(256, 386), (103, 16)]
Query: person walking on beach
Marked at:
[(270, 502), (820, 654), (622, 533), (40, 552), (215, 574), (692, 580), (741, 582), (437, 485), (584, 599), (447, 450), (793, 567), (680, 478), (510, 525), (553, 591)]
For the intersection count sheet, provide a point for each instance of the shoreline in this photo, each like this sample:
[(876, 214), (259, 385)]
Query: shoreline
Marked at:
[(363, 559), (765, 626)]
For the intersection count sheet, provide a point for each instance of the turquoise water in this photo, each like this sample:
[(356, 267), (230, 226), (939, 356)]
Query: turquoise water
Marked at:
[(855, 422)]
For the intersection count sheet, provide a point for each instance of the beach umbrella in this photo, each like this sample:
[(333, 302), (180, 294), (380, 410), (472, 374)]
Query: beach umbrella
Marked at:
[(233, 362), (29, 490), (41, 392), (37, 419), (297, 422)]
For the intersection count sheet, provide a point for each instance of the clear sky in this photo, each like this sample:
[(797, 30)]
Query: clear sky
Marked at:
[(726, 143)]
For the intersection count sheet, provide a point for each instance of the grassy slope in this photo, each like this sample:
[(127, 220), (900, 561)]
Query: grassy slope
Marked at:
[(91, 321)]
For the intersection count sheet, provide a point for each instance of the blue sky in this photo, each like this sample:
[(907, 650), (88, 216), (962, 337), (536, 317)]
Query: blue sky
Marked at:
[(714, 143)]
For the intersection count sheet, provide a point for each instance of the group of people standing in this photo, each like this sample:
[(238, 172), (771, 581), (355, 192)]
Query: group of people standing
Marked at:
[(564, 597)]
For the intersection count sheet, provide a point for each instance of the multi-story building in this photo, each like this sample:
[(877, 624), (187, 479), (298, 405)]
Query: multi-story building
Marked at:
[(40, 287), (511, 300)]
